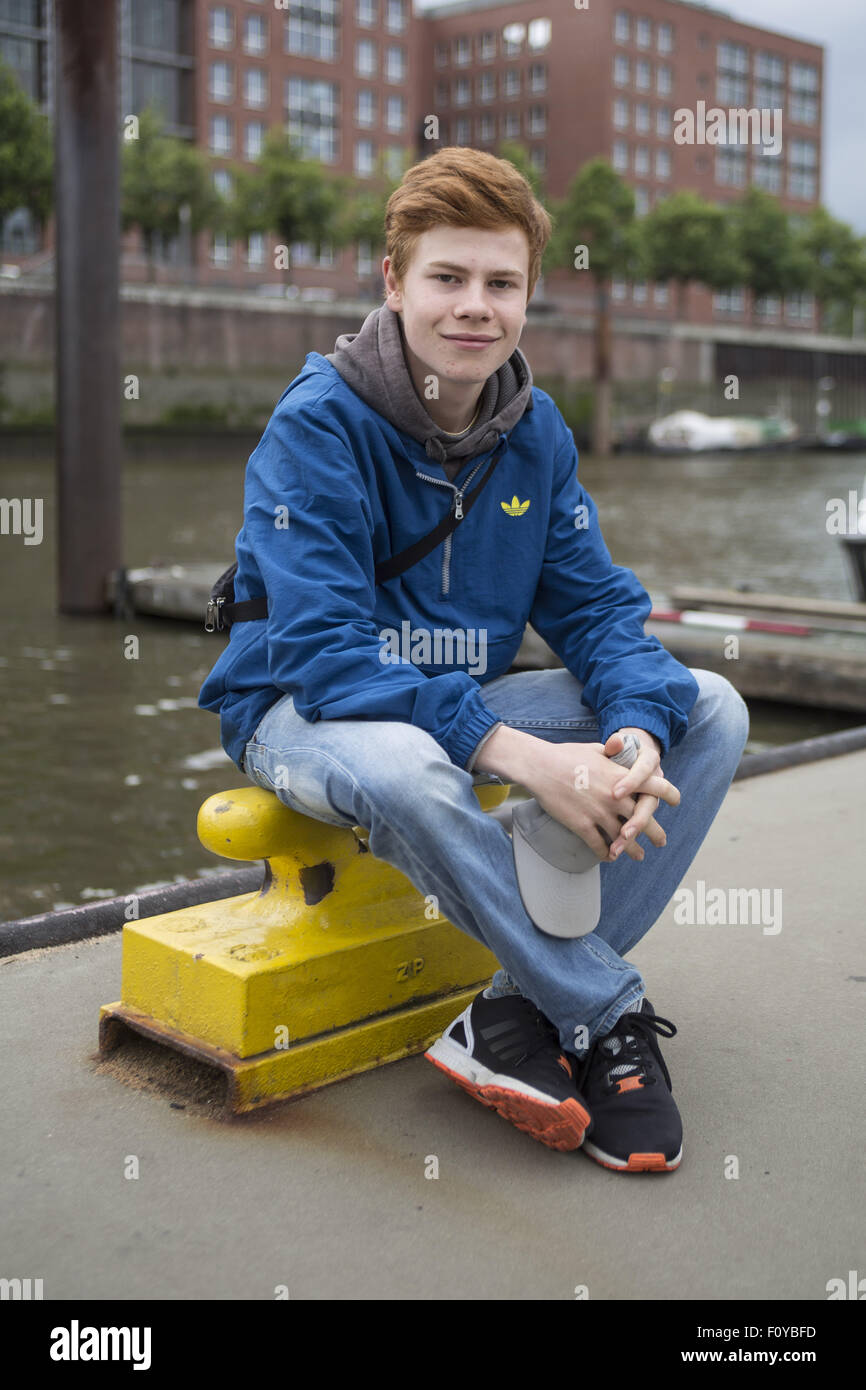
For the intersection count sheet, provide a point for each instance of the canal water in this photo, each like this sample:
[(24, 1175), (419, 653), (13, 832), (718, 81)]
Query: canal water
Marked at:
[(106, 760)]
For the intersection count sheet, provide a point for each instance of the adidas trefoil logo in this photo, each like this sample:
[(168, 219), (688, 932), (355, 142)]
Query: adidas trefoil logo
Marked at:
[(515, 507)]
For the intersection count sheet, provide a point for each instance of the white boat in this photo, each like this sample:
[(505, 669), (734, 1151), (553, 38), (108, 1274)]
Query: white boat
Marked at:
[(690, 430)]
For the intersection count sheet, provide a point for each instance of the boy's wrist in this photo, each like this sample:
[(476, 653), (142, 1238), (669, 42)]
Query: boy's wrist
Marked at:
[(506, 753)]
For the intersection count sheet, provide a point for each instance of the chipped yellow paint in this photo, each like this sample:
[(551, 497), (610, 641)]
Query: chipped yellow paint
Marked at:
[(337, 965)]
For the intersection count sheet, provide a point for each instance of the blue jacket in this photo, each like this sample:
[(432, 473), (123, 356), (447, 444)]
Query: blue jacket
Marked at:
[(333, 488)]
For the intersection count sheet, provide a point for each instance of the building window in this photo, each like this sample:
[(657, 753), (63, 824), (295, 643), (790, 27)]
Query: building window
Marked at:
[(366, 13), (365, 106), (621, 26), (441, 93), (803, 77), (733, 91), (732, 57), (257, 249), (255, 34), (660, 295), (487, 47), (221, 86), (462, 52), (621, 70), (643, 75), (538, 33), (221, 28), (312, 31), (641, 201), (512, 39), (643, 33), (395, 63), (664, 121), (802, 164), (255, 87), (642, 117), (511, 125), (538, 158), (366, 58), (620, 155), (664, 80), (767, 174), (312, 116), (640, 292), (663, 164), (768, 306), (395, 16), (487, 128), (304, 253), (537, 120), (365, 157), (620, 113), (803, 109), (538, 77), (641, 160), (220, 249), (731, 167), (729, 301), (511, 86), (254, 139), (222, 135), (441, 54), (463, 131), (486, 87), (799, 308), (395, 113), (222, 179), (618, 290), (665, 38), (769, 67), (364, 258), (462, 91)]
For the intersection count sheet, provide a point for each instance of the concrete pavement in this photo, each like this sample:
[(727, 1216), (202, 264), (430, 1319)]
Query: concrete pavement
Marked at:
[(328, 1195)]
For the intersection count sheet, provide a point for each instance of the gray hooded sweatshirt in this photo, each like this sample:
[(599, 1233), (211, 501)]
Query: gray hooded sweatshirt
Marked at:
[(373, 363)]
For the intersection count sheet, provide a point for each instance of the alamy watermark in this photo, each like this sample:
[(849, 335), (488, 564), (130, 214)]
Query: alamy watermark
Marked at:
[(737, 126), (438, 646)]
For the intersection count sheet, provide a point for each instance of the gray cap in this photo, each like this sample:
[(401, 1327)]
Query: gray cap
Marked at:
[(553, 865)]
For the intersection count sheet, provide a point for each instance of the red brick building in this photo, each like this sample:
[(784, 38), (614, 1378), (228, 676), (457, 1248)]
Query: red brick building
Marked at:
[(357, 79)]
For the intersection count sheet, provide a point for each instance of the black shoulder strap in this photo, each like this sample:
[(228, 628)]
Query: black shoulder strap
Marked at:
[(223, 611)]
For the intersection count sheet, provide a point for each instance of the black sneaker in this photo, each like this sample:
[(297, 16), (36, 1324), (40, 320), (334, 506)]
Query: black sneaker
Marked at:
[(507, 1054), (636, 1126)]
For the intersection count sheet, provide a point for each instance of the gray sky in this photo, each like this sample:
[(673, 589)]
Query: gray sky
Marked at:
[(840, 26)]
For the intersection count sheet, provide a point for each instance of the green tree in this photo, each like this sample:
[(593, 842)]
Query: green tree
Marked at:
[(163, 181), (26, 152), (774, 260), (837, 260), (363, 215), (686, 240), (291, 196), (595, 230)]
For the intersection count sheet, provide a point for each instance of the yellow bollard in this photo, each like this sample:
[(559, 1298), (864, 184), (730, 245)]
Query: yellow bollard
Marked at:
[(337, 965)]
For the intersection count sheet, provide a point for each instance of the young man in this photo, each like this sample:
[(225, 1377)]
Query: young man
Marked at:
[(367, 450)]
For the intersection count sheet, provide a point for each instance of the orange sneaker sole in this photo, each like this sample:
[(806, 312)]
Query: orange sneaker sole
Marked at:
[(560, 1126), (639, 1163)]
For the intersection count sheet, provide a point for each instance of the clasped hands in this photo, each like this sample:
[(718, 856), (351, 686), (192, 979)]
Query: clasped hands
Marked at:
[(639, 790), (607, 806)]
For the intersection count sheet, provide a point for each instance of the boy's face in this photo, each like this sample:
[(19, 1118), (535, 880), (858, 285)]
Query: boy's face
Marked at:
[(461, 281)]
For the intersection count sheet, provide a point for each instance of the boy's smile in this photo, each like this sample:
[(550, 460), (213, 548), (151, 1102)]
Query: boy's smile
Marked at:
[(463, 308)]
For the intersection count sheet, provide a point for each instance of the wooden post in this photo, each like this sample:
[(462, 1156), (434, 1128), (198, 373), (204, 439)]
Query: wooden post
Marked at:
[(87, 372)]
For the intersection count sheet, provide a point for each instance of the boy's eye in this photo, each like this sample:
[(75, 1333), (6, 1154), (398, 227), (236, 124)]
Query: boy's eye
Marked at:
[(444, 275)]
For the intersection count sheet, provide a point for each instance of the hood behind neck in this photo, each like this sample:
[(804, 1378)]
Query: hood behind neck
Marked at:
[(373, 362)]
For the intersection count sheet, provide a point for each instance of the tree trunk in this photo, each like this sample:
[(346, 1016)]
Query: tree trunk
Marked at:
[(601, 415)]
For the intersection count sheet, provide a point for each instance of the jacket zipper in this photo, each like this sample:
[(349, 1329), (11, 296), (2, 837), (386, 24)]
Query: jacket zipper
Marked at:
[(458, 512)]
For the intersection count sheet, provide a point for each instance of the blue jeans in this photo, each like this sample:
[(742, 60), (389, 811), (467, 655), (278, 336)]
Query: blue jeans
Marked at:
[(423, 816)]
